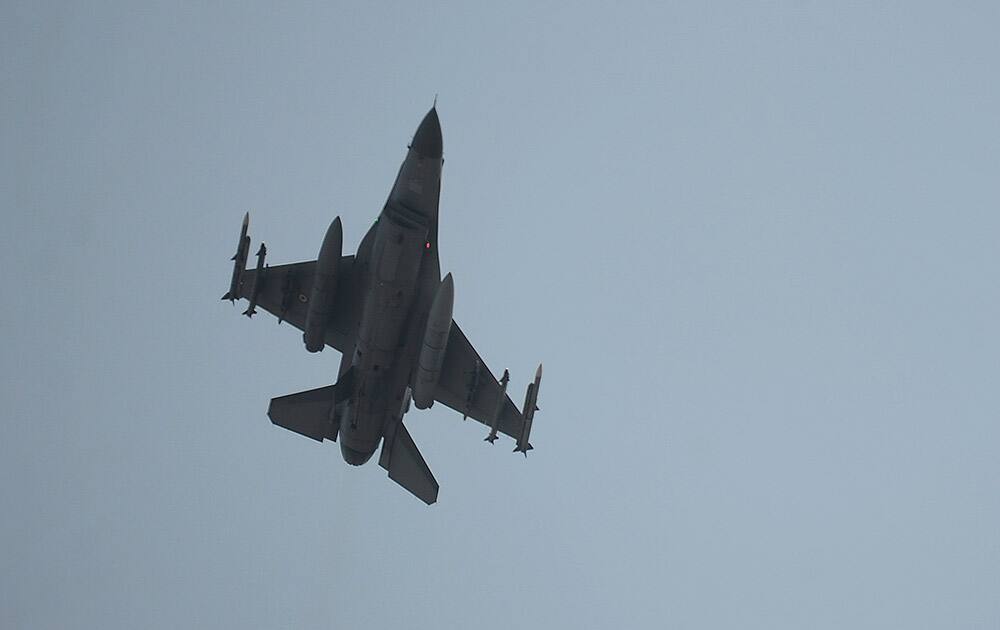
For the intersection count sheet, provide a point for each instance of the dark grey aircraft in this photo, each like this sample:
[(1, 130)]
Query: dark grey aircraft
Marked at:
[(387, 310)]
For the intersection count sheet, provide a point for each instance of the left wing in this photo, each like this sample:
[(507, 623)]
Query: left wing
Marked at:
[(467, 386), (285, 292)]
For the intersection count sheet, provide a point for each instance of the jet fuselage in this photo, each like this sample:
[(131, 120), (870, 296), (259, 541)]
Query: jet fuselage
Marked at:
[(401, 274)]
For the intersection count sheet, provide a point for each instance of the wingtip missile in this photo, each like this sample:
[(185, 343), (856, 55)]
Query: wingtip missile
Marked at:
[(239, 261), (528, 413)]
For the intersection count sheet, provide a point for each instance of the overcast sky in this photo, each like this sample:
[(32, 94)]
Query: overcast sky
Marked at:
[(755, 247)]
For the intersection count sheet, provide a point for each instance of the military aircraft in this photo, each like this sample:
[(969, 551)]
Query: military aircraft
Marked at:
[(389, 313)]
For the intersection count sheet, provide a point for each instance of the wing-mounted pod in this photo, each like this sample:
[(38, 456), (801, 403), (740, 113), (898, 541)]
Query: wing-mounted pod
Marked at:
[(530, 407), (240, 261), (434, 344), (259, 279), (324, 288)]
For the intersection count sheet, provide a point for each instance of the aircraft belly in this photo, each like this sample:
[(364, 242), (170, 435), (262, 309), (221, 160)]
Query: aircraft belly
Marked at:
[(398, 253), (377, 401), (381, 372)]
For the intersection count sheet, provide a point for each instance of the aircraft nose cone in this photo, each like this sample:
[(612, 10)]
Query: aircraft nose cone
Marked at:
[(427, 140)]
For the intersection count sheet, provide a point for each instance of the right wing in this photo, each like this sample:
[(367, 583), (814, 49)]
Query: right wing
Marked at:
[(285, 293), (467, 386)]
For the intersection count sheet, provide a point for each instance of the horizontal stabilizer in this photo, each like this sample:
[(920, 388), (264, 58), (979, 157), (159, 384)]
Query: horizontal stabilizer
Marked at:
[(307, 413), (407, 467)]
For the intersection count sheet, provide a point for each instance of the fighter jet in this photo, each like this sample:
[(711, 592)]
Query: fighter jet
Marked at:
[(389, 313)]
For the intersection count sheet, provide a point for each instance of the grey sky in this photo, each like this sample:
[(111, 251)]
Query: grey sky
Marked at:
[(755, 247)]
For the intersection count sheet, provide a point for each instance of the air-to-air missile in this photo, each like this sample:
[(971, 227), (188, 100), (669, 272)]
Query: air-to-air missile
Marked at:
[(259, 278), (501, 399), (240, 258), (530, 407)]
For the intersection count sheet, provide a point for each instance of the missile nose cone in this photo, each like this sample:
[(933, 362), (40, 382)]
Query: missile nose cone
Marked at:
[(538, 373), (427, 141), (246, 220)]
